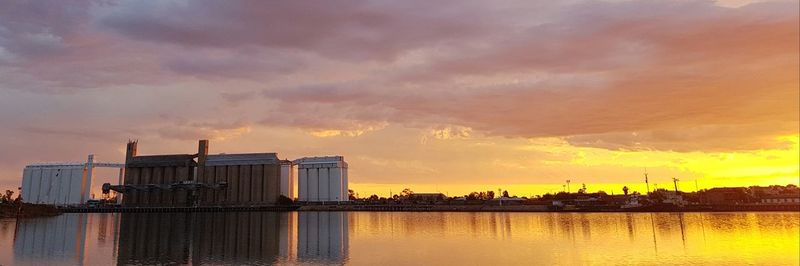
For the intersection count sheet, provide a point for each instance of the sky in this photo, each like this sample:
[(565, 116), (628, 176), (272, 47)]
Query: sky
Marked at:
[(436, 96)]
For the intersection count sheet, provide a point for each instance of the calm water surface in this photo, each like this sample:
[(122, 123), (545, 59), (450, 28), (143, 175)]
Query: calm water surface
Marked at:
[(396, 238)]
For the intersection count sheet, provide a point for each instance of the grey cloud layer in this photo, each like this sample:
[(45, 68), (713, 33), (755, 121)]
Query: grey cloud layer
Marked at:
[(674, 73)]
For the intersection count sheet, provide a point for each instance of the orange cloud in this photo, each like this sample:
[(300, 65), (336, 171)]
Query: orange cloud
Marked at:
[(525, 92)]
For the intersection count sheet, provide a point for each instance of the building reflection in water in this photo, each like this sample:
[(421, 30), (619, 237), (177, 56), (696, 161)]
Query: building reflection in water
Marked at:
[(232, 238), (186, 238), (55, 240), (322, 237)]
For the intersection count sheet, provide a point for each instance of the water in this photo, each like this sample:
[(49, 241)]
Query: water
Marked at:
[(398, 238)]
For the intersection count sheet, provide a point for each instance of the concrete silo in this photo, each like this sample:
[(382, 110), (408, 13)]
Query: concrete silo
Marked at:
[(322, 179)]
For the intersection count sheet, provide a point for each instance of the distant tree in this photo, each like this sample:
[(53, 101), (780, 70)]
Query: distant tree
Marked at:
[(489, 195), (505, 193), (19, 196), (373, 197), (625, 190), (658, 195), (284, 200), (563, 195), (582, 190), (473, 196), (351, 194), (406, 193), (8, 196)]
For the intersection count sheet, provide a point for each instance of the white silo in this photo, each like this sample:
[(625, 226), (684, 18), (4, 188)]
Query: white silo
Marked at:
[(322, 178)]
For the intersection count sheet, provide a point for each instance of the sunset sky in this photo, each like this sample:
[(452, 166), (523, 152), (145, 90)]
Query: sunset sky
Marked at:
[(449, 96)]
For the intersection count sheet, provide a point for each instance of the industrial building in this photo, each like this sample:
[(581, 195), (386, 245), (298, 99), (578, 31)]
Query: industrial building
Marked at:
[(186, 180), (251, 178), (211, 180), (61, 183), (154, 180), (322, 179)]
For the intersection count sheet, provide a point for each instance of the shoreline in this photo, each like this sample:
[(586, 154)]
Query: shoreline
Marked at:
[(432, 208), (27, 210)]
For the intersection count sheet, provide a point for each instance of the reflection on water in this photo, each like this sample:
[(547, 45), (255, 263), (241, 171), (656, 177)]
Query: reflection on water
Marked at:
[(390, 238), (53, 240), (232, 238), (322, 236)]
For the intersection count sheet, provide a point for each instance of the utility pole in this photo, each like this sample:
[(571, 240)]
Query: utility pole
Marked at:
[(696, 188), (675, 182), (646, 181)]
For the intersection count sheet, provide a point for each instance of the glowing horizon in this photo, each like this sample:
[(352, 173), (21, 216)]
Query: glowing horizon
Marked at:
[(433, 96)]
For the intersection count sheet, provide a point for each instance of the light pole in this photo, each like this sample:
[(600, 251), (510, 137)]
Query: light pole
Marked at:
[(675, 182), (568, 186)]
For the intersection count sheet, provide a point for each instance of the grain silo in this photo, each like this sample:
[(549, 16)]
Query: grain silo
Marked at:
[(251, 178), (60, 183), (322, 179)]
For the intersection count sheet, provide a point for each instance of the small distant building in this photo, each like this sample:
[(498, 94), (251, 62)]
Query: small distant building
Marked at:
[(781, 199), (430, 197), (726, 195), (507, 201)]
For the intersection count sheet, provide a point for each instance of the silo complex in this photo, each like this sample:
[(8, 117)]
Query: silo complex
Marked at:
[(242, 179), (322, 179), (193, 179)]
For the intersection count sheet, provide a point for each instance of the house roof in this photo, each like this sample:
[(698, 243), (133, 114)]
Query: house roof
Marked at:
[(428, 194), (509, 199)]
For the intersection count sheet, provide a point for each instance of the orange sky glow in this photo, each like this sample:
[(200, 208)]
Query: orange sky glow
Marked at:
[(476, 96)]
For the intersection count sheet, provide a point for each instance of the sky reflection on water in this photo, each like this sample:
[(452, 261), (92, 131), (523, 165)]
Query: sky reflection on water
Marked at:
[(393, 238)]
